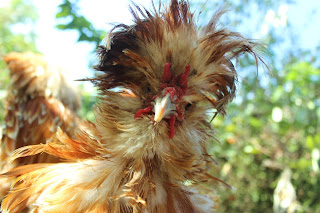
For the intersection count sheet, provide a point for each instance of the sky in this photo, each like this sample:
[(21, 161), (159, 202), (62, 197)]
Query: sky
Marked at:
[(61, 47)]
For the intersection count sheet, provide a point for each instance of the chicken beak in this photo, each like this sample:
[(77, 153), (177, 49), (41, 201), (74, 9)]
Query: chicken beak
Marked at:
[(163, 107)]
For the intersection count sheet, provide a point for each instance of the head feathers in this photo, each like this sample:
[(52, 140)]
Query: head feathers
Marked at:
[(135, 55)]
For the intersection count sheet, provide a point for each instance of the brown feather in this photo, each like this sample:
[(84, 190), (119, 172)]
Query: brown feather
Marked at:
[(39, 101)]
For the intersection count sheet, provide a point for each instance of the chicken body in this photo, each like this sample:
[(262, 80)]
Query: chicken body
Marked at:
[(160, 77), (39, 101)]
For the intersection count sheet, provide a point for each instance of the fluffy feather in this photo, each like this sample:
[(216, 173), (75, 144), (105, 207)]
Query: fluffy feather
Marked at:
[(127, 162), (39, 100)]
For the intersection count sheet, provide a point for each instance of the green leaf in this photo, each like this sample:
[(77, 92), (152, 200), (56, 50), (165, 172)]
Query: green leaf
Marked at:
[(63, 13), (309, 142), (61, 26)]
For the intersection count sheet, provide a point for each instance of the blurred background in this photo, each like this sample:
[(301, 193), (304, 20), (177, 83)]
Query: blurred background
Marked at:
[(270, 138)]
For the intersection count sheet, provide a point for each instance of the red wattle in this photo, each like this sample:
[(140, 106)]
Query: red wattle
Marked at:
[(143, 112)]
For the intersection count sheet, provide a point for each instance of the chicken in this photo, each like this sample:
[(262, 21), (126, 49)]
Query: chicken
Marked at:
[(147, 151), (39, 101)]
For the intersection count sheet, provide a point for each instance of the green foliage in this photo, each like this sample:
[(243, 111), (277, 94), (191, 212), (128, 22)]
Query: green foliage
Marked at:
[(272, 129), (74, 21), (13, 16), (89, 99), (17, 14)]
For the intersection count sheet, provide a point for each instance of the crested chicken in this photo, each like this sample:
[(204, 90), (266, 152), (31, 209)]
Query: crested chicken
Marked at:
[(147, 151), (40, 100)]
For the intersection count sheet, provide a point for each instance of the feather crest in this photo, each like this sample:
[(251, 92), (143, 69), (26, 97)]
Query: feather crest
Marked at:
[(137, 54)]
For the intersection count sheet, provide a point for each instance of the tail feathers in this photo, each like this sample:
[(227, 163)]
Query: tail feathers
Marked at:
[(32, 76), (31, 73), (39, 100)]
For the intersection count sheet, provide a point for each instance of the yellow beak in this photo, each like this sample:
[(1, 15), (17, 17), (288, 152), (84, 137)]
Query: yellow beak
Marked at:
[(163, 107)]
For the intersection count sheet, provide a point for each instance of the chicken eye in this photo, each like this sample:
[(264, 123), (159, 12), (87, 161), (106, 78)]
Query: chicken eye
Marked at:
[(187, 106), (148, 89)]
